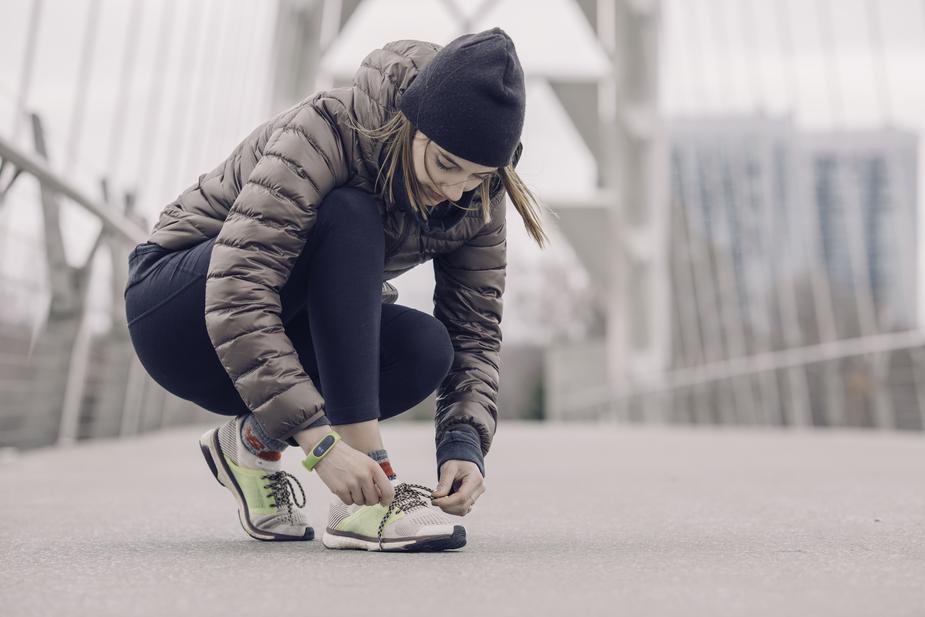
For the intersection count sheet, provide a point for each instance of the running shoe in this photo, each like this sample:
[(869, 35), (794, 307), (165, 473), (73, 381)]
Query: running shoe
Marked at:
[(267, 507), (410, 523)]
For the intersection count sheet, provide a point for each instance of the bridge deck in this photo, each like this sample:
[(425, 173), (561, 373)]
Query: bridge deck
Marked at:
[(585, 520)]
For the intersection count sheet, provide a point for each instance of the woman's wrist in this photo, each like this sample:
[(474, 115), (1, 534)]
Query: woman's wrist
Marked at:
[(321, 450), (461, 443), (308, 438)]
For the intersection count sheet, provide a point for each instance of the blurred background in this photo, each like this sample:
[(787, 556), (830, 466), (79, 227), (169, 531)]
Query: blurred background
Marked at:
[(734, 189)]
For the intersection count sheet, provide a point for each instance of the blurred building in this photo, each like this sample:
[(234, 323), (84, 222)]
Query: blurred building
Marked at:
[(865, 189), (758, 205), (792, 255), (733, 230)]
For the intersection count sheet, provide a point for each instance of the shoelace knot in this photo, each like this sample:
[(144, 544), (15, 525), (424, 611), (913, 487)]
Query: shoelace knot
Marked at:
[(408, 496)]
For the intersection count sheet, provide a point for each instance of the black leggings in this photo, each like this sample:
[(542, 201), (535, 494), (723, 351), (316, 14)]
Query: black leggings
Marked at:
[(368, 359)]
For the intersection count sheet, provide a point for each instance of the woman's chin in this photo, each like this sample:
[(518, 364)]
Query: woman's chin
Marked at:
[(433, 200)]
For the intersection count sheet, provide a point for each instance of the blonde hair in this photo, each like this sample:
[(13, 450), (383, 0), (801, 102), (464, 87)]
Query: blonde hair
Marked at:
[(398, 134)]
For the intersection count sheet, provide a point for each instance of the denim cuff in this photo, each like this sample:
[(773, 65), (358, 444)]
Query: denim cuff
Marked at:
[(253, 420), (461, 443)]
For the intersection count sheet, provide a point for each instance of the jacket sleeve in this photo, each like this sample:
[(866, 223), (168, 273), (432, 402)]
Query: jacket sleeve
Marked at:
[(254, 252), (468, 300)]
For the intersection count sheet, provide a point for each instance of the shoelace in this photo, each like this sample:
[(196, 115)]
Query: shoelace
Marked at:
[(282, 492), (408, 496)]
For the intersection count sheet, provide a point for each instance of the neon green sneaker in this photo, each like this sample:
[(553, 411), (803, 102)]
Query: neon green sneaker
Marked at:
[(410, 523), (267, 508)]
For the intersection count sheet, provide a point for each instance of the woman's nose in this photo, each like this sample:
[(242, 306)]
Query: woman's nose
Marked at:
[(453, 192)]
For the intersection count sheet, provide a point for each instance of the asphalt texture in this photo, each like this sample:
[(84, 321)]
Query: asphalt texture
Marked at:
[(577, 519)]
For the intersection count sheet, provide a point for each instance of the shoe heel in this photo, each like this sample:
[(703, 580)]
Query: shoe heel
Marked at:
[(207, 454)]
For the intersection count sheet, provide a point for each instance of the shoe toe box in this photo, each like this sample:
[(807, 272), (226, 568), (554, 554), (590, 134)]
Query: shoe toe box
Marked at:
[(443, 529)]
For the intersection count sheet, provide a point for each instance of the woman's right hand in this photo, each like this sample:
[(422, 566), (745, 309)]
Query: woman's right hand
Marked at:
[(354, 476)]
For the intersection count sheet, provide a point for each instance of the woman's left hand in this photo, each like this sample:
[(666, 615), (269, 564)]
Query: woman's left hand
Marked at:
[(465, 479)]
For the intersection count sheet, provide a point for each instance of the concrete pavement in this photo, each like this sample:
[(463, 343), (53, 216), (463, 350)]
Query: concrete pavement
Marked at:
[(577, 519)]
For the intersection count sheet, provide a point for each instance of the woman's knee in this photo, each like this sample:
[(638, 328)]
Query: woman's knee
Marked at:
[(220, 401), (420, 354), (442, 347), (429, 351), (354, 208)]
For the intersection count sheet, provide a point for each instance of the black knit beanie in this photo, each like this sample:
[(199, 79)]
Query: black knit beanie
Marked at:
[(470, 98)]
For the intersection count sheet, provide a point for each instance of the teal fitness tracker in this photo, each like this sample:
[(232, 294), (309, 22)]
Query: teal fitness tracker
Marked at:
[(320, 450)]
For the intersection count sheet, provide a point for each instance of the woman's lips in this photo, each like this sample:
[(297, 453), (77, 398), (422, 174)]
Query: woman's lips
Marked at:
[(434, 196)]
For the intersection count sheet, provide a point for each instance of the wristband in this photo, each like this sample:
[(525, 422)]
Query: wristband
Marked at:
[(321, 449)]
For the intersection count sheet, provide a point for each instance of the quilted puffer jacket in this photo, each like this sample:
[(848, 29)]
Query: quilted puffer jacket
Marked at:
[(261, 204)]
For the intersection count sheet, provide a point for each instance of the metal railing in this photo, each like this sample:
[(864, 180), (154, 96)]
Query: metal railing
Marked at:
[(63, 381)]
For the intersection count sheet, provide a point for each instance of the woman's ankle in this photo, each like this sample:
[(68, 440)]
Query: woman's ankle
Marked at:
[(381, 456)]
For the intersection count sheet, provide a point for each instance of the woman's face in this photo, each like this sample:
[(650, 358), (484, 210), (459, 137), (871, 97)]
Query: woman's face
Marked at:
[(443, 175)]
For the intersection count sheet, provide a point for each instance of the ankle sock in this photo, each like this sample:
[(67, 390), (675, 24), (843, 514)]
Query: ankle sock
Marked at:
[(258, 443), (382, 457)]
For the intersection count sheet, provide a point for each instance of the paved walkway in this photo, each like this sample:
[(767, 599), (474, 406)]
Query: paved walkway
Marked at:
[(577, 519)]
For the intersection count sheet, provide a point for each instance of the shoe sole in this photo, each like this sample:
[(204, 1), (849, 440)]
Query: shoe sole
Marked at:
[(424, 544), (215, 459)]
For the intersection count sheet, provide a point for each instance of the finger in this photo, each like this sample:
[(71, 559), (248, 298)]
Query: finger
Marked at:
[(470, 483), (455, 510), (385, 488), (479, 491), (356, 494), (347, 496), (447, 475), (370, 493), (460, 509), (460, 497), (453, 502)]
